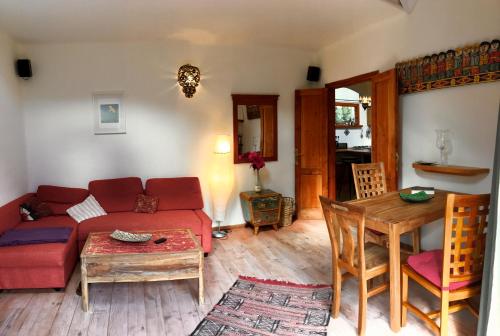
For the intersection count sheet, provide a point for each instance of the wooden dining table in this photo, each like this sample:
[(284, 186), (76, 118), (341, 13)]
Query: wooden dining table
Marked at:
[(391, 215)]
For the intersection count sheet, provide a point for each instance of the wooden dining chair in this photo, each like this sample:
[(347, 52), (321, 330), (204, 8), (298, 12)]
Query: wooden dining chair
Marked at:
[(369, 181), (452, 274), (365, 261)]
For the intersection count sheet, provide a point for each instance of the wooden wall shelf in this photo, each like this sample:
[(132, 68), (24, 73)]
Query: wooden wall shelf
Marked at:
[(451, 170)]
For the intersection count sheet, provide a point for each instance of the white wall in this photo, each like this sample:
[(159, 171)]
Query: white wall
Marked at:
[(469, 112), (13, 177), (167, 134)]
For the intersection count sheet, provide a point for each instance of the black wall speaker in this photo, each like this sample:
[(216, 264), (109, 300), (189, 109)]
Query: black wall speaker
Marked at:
[(313, 73), (23, 68)]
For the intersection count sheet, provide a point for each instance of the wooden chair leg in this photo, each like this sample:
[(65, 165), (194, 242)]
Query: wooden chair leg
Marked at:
[(363, 298), (415, 235), (445, 304), (337, 285), (404, 297)]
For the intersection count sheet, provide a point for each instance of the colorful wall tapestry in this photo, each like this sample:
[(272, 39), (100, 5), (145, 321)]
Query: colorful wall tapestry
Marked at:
[(469, 65)]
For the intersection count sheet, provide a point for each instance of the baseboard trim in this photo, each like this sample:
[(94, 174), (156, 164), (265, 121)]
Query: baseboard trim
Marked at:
[(229, 227)]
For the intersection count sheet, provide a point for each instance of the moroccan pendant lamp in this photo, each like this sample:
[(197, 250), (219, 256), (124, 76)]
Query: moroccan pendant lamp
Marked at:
[(188, 78)]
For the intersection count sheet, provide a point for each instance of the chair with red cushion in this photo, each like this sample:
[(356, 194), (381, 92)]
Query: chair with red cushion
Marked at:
[(370, 181), (452, 274)]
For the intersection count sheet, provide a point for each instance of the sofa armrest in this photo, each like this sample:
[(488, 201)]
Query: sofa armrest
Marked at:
[(206, 229), (9, 213)]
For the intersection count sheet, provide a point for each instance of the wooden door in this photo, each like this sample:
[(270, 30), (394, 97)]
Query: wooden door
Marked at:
[(311, 151), (385, 125)]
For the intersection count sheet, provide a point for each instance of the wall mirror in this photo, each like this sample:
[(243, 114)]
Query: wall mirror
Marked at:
[(255, 126), (346, 115)]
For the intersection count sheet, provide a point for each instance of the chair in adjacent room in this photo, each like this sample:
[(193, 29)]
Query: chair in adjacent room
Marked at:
[(365, 261), (370, 181), (452, 274)]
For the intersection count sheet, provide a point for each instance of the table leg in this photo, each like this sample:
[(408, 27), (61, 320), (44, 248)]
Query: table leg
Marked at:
[(415, 236), (85, 289), (201, 286), (395, 278)]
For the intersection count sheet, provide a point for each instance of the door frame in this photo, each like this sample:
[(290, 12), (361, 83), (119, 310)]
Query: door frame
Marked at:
[(331, 123)]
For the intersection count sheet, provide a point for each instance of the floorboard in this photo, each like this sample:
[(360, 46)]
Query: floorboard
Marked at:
[(298, 253)]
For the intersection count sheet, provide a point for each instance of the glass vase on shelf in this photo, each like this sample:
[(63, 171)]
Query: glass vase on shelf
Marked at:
[(442, 142), (258, 185)]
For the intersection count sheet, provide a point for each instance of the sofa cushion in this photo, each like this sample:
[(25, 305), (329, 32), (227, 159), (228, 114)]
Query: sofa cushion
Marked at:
[(59, 209), (34, 209), (181, 193), (60, 199), (51, 221), (133, 221), (146, 204), (116, 195), (64, 195), (89, 208), (40, 255)]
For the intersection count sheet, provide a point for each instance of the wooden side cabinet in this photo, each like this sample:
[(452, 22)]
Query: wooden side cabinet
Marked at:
[(261, 209)]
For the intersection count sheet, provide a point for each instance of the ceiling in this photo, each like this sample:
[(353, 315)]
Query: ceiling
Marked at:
[(304, 24)]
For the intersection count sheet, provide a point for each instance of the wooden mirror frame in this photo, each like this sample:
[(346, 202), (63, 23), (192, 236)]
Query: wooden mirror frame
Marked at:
[(254, 99), (356, 115)]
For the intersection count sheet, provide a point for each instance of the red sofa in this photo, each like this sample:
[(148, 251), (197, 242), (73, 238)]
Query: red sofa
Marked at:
[(51, 265)]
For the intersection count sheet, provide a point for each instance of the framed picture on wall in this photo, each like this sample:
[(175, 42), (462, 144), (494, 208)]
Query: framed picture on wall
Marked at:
[(109, 116)]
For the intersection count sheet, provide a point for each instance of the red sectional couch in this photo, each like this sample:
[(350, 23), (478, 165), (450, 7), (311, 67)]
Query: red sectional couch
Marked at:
[(51, 265)]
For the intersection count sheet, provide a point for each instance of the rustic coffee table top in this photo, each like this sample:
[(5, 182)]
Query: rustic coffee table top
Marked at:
[(178, 240)]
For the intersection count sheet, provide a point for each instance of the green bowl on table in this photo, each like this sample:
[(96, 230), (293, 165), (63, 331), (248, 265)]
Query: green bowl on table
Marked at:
[(419, 197)]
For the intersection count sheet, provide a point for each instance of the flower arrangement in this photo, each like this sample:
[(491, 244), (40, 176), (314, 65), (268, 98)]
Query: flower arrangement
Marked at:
[(256, 163), (256, 160)]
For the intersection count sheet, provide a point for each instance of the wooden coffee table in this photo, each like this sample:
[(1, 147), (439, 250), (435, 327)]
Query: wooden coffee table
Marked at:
[(105, 259)]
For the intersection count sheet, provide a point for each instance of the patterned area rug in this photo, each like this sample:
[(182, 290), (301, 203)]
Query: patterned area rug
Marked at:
[(254, 307)]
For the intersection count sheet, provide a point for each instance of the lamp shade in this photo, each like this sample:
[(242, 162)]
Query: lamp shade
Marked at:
[(222, 144), (222, 176), (221, 186)]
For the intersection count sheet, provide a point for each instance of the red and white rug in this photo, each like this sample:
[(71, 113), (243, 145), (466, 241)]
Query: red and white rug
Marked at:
[(255, 307)]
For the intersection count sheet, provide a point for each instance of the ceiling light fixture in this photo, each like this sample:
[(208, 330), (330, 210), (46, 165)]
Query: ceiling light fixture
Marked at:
[(365, 101), (189, 78)]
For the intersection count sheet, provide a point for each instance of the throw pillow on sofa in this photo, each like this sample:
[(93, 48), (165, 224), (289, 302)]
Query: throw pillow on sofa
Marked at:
[(34, 209), (89, 208), (146, 203)]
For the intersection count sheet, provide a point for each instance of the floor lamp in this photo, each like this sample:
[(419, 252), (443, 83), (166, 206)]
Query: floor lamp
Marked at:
[(222, 179)]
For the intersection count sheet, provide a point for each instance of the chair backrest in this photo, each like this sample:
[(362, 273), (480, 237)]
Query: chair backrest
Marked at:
[(346, 224), (369, 179), (464, 237)]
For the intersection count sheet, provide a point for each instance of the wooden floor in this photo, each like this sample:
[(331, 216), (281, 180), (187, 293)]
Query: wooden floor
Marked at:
[(299, 253)]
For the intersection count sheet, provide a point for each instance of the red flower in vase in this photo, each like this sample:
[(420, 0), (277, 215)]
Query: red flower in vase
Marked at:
[(256, 160)]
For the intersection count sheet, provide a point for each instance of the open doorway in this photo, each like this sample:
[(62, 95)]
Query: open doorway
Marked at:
[(361, 135), (353, 135)]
